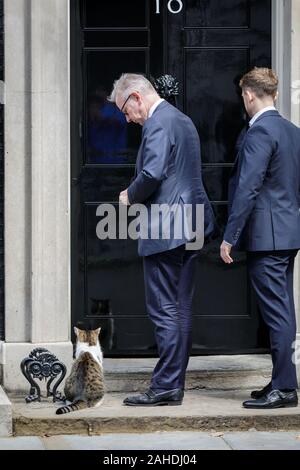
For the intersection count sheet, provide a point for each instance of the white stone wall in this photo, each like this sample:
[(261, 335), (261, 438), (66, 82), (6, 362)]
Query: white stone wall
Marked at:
[(37, 188)]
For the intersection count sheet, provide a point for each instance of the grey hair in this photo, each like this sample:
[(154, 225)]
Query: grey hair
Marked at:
[(128, 83)]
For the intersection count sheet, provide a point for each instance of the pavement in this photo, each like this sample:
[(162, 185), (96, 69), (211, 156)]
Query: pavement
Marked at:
[(176, 441)]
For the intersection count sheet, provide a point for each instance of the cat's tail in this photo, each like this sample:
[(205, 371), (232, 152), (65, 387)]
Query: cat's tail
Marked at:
[(75, 406)]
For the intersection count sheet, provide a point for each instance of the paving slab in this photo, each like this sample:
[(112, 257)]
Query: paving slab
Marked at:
[(148, 441), (202, 410), (21, 443), (263, 440), (176, 441)]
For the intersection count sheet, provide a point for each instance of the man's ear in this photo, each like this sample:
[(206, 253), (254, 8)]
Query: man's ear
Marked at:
[(249, 94), (137, 96)]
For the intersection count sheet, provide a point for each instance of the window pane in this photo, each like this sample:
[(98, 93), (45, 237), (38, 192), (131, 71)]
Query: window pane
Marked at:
[(109, 138), (113, 14), (203, 13)]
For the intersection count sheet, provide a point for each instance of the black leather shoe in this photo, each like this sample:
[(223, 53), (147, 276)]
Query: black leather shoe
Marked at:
[(260, 393), (152, 398), (274, 399)]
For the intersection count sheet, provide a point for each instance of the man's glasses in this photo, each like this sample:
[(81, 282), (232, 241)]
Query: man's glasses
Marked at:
[(125, 102)]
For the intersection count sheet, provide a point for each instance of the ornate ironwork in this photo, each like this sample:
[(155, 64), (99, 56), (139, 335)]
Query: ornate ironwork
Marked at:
[(166, 86), (41, 364)]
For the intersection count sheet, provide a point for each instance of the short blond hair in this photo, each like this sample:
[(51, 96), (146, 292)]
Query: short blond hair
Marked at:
[(262, 81)]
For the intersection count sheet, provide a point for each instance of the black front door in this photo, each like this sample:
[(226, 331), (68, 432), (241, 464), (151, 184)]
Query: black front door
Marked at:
[(207, 45)]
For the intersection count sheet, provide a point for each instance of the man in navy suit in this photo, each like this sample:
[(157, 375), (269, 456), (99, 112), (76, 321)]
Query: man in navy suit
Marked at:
[(264, 219), (168, 171)]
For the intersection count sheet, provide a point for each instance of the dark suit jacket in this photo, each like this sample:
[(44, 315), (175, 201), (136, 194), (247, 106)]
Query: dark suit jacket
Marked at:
[(168, 171), (264, 188)]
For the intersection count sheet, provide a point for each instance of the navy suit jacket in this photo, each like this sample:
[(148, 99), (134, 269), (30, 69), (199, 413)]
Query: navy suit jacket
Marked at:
[(264, 188), (168, 171)]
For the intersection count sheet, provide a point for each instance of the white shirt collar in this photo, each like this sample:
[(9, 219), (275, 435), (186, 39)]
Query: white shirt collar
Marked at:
[(264, 110), (154, 106)]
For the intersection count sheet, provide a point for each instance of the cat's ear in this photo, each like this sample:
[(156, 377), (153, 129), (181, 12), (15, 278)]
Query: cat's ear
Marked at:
[(98, 331), (76, 331)]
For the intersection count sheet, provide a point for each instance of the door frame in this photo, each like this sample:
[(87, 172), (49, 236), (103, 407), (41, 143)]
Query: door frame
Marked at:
[(280, 41)]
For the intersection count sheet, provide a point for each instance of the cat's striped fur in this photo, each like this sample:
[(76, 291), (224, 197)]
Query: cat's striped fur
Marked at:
[(85, 385)]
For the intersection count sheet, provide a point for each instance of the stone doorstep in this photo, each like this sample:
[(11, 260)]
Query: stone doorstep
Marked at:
[(194, 381), (215, 386), (5, 415), (202, 410), (204, 372)]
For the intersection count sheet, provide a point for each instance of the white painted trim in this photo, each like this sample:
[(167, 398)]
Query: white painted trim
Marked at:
[(282, 52), (282, 61), (2, 352)]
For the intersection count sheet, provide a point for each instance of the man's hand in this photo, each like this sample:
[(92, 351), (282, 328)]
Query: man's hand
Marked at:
[(225, 250), (123, 198)]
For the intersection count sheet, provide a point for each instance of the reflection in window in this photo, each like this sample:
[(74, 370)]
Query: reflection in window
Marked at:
[(106, 130), (108, 137)]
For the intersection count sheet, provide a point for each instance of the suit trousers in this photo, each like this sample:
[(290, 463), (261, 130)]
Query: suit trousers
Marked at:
[(169, 287), (271, 275)]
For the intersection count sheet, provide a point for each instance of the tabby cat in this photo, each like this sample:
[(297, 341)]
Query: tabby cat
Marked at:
[(84, 386)]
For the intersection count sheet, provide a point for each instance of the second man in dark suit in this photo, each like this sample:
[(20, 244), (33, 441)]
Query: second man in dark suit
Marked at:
[(264, 219)]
